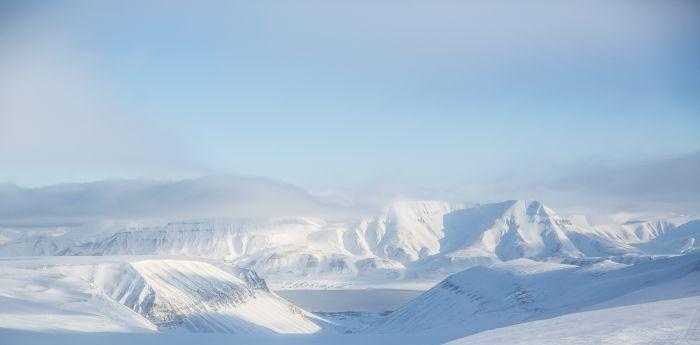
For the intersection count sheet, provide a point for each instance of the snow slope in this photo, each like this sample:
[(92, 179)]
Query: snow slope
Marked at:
[(136, 294), (40, 296), (522, 290), (668, 313), (658, 304), (355, 300)]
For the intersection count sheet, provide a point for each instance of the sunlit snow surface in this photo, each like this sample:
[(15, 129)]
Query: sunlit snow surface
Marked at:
[(643, 317), (409, 245), (483, 298), (67, 297), (506, 273), (111, 294)]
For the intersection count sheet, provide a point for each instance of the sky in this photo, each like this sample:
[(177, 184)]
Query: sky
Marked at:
[(327, 94)]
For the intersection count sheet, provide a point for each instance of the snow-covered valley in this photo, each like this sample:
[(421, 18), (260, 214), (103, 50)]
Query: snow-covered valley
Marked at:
[(332, 172), (423, 272)]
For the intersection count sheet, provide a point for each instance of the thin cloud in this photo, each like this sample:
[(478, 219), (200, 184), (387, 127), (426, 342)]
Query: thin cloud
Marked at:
[(58, 115)]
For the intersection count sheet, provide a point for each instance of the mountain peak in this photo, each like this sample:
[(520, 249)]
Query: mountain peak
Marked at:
[(530, 207)]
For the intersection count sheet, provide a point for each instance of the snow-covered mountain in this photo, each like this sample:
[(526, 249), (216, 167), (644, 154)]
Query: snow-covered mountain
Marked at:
[(142, 294), (508, 263), (499, 232), (286, 248), (665, 313), (681, 239), (488, 297), (408, 240)]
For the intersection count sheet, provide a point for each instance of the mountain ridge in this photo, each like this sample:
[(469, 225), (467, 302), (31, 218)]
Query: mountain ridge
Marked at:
[(408, 240)]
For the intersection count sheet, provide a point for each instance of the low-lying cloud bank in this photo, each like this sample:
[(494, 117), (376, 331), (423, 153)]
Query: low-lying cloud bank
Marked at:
[(213, 196), (670, 185), (672, 180), (664, 184)]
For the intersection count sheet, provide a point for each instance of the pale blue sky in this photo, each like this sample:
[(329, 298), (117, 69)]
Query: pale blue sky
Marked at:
[(327, 93)]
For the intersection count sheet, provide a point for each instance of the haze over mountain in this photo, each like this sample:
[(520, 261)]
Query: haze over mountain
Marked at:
[(491, 266), (435, 95), (408, 242), (349, 172), (657, 184), (213, 196)]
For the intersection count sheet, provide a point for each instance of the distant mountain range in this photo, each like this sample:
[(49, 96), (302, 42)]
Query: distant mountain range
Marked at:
[(408, 241), (206, 255)]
